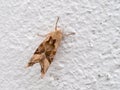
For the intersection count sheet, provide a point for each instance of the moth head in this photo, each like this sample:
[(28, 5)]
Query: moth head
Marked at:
[(59, 30), (59, 33)]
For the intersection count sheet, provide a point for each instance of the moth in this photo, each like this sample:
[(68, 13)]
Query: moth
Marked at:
[(46, 51)]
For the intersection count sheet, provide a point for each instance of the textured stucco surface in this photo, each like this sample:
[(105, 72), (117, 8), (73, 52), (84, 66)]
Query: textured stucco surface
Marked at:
[(88, 60)]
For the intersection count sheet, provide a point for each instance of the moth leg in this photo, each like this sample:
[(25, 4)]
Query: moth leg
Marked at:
[(66, 35), (41, 35), (72, 33)]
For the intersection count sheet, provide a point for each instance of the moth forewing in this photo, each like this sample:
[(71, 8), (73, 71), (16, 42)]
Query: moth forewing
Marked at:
[(46, 51)]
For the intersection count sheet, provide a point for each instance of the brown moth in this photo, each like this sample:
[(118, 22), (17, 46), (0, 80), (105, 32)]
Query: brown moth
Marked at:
[(46, 51)]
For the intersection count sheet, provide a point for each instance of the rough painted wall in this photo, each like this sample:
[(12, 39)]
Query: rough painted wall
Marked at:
[(89, 60)]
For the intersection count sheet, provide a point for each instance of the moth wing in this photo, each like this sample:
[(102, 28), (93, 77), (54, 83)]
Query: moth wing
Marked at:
[(44, 66)]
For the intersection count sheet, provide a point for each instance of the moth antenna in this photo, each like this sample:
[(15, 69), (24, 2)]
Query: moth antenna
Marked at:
[(56, 23)]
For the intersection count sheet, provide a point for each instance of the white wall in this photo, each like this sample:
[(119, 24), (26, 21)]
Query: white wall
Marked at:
[(89, 60)]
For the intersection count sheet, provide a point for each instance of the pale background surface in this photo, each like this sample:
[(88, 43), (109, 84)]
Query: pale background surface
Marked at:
[(89, 60)]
